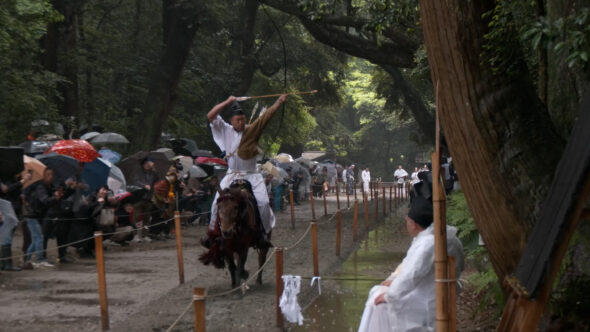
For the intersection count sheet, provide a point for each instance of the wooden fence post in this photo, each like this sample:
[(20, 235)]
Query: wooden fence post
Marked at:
[(325, 206), (178, 233), (384, 201), (337, 195), (354, 188), (279, 285), (199, 305), (376, 216), (312, 205), (355, 221), (292, 205), (338, 231), (390, 199), (366, 206), (102, 283), (314, 247)]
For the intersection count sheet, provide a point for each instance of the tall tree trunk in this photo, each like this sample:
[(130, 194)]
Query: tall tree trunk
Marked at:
[(61, 43), (243, 48), (181, 26), (500, 136)]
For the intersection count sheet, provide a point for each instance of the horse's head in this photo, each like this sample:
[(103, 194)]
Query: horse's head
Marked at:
[(230, 206)]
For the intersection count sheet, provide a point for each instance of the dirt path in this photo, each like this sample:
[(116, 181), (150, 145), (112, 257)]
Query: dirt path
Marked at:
[(142, 282)]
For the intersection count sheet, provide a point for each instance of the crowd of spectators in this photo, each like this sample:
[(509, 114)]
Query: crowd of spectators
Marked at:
[(69, 213)]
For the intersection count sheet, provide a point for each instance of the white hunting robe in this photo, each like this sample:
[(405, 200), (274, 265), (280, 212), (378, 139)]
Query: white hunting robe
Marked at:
[(410, 299), (228, 140), (366, 177)]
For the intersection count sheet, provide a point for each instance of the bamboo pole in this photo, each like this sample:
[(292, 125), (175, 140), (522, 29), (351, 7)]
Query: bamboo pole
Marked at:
[(102, 283), (199, 305), (292, 205), (337, 195), (338, 231), (311, 201), (178, 233), (384, 200), (325, 206), (279, 285), (314, 245), (452, 295), (440, 236)]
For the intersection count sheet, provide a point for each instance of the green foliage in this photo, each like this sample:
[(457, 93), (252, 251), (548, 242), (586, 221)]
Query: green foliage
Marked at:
[(26, 90), (568, 37), (485, 280)]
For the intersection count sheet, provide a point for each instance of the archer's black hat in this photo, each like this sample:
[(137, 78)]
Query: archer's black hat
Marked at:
[(236, 109), (421, 211)]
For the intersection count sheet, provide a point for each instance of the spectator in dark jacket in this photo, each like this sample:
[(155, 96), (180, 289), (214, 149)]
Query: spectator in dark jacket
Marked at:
[(11, 192), (144, 208), (42, 197)]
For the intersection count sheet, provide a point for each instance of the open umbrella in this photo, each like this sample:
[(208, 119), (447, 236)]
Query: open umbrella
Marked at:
[(132, 164), (136, 194), (284, 158), (93, 127), (197, 172), (35, 167), (33, 148), (110, 138), (96, 173), (208, 160), (168, 152), (110, 155), (305, 162), (63, 166), (76, 148), (116, 180), (11, 162), (186, 163), (89, 135)]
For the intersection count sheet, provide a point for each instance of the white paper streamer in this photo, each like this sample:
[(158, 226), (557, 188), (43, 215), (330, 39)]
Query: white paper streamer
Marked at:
[(288, 302)]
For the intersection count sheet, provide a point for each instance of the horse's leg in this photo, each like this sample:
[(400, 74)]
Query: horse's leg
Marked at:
[(242, 264), (261, 260), (231, 266)]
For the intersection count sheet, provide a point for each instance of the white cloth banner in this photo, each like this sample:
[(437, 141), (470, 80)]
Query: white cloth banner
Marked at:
[(288, 302)]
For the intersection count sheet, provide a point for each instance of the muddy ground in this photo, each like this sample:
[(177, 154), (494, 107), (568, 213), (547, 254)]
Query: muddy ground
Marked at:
[(142, 281)]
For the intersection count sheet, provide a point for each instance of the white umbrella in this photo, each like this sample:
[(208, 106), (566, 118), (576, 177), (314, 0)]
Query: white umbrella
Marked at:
[(109, 138), (167, 151), (196, 172), (284, 158), (90, 135), (186, 163)]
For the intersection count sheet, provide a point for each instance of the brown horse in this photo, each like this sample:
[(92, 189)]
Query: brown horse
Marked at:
[(236, 230)]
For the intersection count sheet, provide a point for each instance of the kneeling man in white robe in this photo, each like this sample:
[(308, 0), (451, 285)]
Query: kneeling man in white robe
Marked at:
[(405, 301)]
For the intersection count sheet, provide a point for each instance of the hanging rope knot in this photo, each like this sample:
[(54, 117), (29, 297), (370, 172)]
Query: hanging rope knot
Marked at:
[(244, 287), (199, 297)]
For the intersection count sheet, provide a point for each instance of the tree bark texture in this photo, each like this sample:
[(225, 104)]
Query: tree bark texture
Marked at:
[(503, 144), (182, 26), (243, 48), (60, 55)]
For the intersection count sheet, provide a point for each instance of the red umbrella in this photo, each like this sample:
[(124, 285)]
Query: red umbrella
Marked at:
[(208, 160), (76, 148)]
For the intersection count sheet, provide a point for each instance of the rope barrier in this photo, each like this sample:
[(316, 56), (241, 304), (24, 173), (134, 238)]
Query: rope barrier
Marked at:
[(186, 309)]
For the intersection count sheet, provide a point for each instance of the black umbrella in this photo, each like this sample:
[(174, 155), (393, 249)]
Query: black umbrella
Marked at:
[(33, 148), (63, 166), (94, 127), (11, 162), (132, 164), (133, 195)]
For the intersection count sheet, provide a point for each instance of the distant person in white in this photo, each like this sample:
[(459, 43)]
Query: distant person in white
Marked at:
[(400, 175), (405, 301), (414, 177), (366, 178)]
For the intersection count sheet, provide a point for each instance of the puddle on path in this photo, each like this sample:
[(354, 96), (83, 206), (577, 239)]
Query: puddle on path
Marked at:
[(341, 304)]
